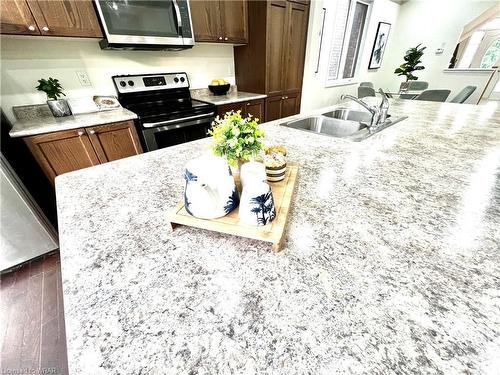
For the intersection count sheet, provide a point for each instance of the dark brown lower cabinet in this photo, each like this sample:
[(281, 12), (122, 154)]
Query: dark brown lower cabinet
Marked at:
[(69, 150), (273, 107), (290, 105), (256, 109), (282, 106), (251, 107), (221, 109), (115, 141)]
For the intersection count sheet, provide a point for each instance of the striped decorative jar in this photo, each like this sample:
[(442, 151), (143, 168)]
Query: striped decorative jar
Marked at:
[(275, 174)]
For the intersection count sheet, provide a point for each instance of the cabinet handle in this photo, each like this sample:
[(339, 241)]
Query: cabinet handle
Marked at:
[(80, 133), (220, 38), (45, 28), (226, 38), (92, 131), (31, 28)]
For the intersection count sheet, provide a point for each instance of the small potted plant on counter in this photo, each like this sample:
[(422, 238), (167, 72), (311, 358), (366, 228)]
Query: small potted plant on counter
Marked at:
[(411, 64), (236, 138), (53, 89)]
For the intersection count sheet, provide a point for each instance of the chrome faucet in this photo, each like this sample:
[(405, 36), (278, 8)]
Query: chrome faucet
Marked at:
[(379, 113)]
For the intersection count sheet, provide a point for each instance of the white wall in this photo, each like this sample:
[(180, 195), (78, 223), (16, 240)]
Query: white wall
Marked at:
[(432, 23), (24, 60), (314, 92)]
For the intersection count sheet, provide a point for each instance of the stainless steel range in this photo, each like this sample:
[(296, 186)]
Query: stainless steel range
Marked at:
[(167, 114)]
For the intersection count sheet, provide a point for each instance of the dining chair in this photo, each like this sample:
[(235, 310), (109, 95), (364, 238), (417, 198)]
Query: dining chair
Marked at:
[(366, 84), (463, 95), (364, 91), (434, 95), (415, 86), (418, 85)]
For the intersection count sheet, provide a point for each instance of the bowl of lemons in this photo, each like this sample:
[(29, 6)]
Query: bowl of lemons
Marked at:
[(219, 86)]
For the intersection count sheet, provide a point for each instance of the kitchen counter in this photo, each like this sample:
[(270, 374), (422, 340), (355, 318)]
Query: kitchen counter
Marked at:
[(233, 96), (390, 265), (48, 124)]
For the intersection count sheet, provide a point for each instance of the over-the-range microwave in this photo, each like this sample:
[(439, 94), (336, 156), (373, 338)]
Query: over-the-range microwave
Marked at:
[(145, 24)]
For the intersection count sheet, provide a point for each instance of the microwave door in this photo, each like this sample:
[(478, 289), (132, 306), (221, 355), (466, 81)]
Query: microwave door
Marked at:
[(141, 22)]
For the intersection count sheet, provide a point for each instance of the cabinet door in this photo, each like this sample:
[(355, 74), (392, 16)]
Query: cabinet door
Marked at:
[(222, 109), (296, 45), (66, 18), (16, 18), (273, 108), (255, 108), (115, 141), (290, 105), (234, 20), (62, 152), (206, 20), (277, 17)]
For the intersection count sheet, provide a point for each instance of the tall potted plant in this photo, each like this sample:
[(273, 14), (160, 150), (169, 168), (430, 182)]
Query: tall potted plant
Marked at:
[(411, 64), (53, 89)]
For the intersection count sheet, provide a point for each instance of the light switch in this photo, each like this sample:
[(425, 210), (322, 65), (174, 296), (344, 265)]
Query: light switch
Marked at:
[(83, 78)]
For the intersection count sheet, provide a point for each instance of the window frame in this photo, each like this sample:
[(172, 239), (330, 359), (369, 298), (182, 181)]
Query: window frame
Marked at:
[(345, 44)]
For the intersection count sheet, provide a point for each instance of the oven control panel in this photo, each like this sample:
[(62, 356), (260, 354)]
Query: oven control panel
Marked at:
[(150, 82)]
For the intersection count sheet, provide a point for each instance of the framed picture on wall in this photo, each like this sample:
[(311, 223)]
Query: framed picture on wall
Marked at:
[(379, 45)]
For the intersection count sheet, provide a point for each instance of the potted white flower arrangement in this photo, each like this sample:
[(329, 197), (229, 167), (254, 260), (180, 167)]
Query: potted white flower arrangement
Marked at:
[(236, 138)]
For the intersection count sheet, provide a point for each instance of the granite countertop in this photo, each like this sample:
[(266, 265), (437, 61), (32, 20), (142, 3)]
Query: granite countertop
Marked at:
[(233, 96), (47, 124), (390, 264)]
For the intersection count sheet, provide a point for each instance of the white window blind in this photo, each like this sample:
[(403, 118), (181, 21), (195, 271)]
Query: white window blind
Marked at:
[(347, 40), (341, 17)]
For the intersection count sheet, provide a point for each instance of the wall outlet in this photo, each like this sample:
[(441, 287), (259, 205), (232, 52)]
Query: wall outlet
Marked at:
[(83, 78)]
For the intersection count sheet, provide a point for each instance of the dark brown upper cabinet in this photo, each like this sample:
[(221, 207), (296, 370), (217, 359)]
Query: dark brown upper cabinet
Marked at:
[(272, 62), (222, 21), (73, 18), (16, 18)]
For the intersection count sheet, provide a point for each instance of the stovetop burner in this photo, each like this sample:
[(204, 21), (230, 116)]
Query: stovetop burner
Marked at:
[(161, 95), (163, 104)]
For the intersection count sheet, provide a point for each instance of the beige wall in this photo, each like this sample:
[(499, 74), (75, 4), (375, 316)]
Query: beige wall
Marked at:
[(24, 60)]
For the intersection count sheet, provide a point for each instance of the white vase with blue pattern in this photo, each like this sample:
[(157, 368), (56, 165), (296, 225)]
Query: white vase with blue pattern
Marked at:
[(210, 188), (257, 204)]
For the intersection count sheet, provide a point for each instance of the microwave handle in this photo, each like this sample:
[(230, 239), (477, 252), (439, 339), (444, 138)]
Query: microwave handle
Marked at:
[(178, 15)]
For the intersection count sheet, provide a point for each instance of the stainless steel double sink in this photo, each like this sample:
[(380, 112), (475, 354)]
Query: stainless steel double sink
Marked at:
[(341, 123)]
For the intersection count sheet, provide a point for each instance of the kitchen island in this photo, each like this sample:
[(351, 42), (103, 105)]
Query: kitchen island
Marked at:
[(391, 263)]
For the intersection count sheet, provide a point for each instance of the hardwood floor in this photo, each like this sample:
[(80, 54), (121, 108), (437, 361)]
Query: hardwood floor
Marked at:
[(32, 332)]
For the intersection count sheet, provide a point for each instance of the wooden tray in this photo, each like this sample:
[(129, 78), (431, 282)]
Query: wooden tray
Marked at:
[(274, 232)]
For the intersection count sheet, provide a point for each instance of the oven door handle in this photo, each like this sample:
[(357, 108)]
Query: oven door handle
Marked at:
[(178, 15), (155, 124)]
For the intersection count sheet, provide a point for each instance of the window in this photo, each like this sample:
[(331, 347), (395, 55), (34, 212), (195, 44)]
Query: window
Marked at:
[(351, 17), (491, 56), (472, 46)]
